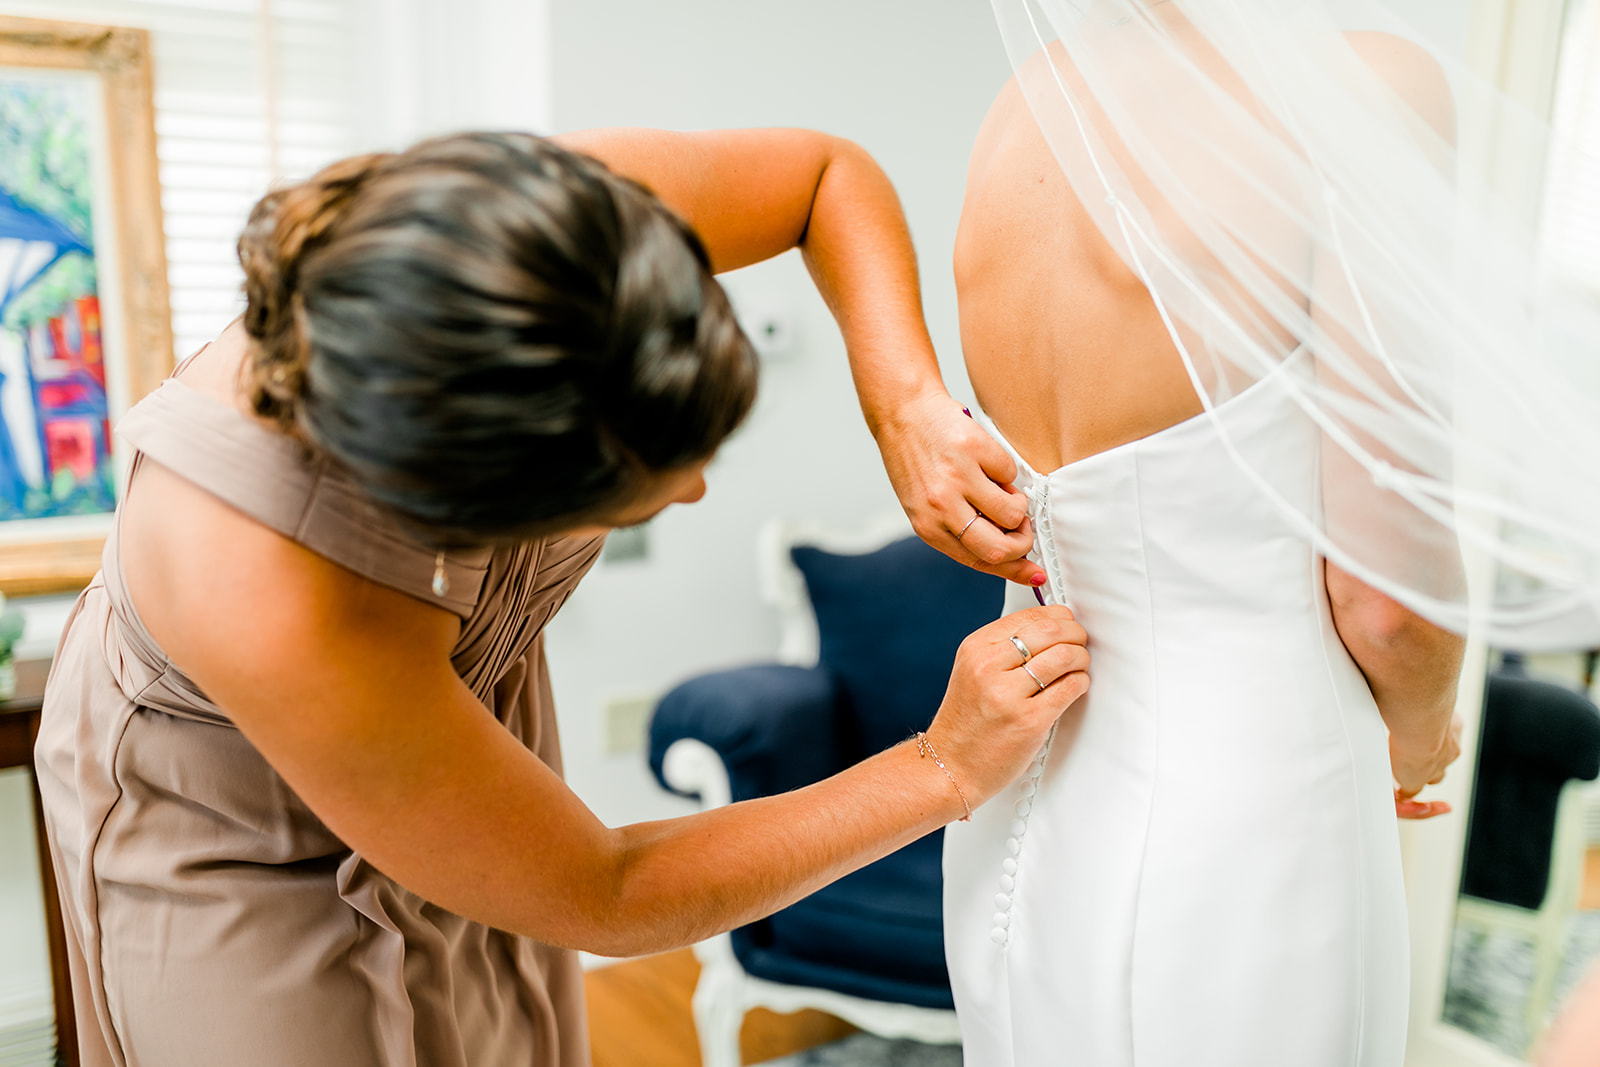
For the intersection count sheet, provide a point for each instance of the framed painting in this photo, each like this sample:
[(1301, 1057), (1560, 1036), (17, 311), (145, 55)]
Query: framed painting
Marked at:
[(85, 324)]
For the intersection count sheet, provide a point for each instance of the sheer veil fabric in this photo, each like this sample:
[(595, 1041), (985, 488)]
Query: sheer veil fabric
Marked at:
[(1289, 175)]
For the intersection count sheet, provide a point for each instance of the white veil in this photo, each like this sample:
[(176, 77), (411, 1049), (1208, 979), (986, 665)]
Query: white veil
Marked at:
[(1283, 186)]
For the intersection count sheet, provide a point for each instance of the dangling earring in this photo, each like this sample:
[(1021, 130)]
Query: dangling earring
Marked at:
[(441, 581)]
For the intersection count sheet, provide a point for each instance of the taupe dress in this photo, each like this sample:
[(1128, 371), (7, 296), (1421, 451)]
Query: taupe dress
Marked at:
[(212, 918)]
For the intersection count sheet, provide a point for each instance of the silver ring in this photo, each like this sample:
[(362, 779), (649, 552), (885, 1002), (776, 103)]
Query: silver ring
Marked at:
[(1017, 641), (1035, 677), (976, 515)]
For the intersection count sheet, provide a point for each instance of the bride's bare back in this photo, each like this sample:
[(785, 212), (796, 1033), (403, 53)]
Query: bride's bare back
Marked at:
[(1064, 346)]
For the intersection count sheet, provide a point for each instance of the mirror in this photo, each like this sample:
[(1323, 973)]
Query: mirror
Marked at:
[(1527, 919)]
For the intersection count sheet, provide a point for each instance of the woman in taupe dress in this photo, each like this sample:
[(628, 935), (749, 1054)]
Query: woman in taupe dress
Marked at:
[(298, 757)]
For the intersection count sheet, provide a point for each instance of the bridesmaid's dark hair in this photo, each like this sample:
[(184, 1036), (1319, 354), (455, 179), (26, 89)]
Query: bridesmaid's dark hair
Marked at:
[(496, 337)]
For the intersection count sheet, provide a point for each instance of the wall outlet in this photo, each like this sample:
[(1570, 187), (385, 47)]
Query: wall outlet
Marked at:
[(627, 722)]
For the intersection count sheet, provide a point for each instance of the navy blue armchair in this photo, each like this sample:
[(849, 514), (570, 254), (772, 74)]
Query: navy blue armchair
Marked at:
[(870, 947), (1536, 738)]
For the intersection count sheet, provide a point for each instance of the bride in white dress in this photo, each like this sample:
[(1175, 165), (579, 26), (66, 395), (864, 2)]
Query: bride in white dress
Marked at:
[(1263, 350), (1209, 873)]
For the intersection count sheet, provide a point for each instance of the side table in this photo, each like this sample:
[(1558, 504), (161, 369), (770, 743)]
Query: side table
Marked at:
[(19, 728)]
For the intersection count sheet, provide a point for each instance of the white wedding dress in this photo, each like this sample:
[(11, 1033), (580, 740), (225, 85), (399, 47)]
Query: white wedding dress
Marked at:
[(1208, 874)]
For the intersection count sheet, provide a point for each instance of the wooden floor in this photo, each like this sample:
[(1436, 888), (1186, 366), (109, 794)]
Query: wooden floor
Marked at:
[(639, 1016), (1590, 901)]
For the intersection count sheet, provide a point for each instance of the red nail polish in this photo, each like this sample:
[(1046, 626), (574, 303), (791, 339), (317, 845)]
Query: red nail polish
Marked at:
[(1036, 581)]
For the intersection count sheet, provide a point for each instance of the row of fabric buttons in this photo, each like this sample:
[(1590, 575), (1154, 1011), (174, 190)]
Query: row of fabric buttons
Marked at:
[(1045, 548), (1000, 934)]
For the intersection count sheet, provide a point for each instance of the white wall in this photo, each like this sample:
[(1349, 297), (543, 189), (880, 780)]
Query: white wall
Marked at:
[(436, 66), (1443, 23), (910, 80)]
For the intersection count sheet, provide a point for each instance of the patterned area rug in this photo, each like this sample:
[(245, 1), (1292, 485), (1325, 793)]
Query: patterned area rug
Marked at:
[(865, 1050), (1486, 993)]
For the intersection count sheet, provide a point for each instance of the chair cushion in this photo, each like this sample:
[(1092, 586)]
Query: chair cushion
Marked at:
[(1536, 737), (877, 933), (889, 623), (773, 725)]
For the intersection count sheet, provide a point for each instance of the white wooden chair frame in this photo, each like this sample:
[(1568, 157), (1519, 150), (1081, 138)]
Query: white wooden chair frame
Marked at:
[(1546, 926)]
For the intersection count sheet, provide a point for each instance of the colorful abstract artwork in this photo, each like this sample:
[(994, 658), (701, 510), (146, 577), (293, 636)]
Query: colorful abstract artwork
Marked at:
[(55, 441)]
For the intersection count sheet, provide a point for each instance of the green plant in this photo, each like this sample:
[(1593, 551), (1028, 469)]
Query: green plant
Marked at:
[(11, 625)]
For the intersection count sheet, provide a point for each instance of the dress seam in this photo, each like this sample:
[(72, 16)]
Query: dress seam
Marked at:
[(90, 853), (1149, 821), (1361, 828)]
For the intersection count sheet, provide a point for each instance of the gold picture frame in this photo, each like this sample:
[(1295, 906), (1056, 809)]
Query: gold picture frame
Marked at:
[(128, 272)]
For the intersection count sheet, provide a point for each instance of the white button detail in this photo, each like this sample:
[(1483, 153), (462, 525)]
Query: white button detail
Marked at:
[(1018, 827), (997, 935), (1029, 787), (1013, 846), (1023, 807), (1007, 882), (1001, 920), (1002, 901), (1008, 865)]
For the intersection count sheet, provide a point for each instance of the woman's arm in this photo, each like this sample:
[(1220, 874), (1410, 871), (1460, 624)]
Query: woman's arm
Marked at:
[(346, 689), (752, 194)]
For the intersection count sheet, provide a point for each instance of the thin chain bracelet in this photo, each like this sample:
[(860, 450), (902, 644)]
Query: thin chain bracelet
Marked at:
[(925, 748)]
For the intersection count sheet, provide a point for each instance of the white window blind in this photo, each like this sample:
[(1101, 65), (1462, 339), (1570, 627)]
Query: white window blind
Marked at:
[(242, 88), (1572, 193)]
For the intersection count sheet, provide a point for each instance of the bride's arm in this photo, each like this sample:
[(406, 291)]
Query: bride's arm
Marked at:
[(1413, 668), (753, 194)]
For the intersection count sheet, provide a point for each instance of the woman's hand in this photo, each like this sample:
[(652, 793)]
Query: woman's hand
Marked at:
[(1421, 762), (999, 708), (954, 482)]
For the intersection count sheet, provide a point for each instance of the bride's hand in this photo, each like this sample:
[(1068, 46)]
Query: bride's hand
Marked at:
[(1420, 763), (999, 708), (1411, 808), (954, 482)]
